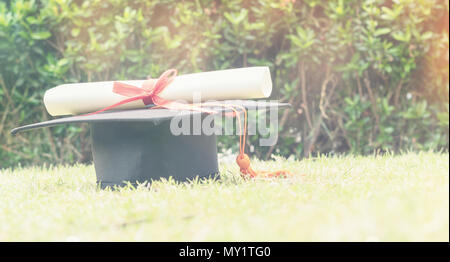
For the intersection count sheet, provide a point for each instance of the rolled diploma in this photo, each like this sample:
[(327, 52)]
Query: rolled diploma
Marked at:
[(240, 83)]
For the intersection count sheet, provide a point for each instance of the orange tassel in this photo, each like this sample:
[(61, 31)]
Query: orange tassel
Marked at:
[(243, 162)]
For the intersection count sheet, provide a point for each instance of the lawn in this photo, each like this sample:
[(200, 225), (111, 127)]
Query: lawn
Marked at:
[(375, 198)]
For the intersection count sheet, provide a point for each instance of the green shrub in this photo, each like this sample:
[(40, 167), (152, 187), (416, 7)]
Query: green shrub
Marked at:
[(362, 76)]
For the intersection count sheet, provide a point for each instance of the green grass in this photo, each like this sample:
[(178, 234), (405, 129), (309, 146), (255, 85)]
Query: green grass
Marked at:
[(378, 198)]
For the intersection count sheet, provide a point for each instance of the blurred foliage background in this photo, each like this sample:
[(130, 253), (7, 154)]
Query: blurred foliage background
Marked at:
[(362, 76)]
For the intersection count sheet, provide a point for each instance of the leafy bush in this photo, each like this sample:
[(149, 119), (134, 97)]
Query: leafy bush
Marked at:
[(362, 76)]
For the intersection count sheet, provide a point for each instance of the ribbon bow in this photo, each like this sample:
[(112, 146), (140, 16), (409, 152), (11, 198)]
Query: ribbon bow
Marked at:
[(150, 90), (148, 93)]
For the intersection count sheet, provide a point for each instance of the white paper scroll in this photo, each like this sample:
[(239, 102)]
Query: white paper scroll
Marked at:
[(240, 83)]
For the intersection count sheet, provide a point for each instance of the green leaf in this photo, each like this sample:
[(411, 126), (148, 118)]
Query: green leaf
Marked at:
[(235, 20), (40, 35), (75, 32), (402, 37), (427, 35), (382, 31)]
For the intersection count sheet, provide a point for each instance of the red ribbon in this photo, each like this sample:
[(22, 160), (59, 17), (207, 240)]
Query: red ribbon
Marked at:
[(148, 93)]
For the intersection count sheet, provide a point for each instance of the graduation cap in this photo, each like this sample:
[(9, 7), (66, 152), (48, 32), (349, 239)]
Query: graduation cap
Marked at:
[(131, 137)]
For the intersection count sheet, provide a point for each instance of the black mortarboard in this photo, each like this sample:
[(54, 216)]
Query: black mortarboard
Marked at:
[(137, 145)]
